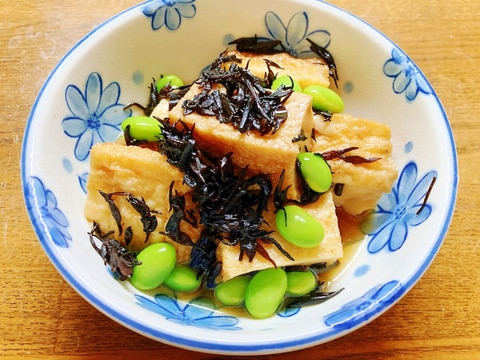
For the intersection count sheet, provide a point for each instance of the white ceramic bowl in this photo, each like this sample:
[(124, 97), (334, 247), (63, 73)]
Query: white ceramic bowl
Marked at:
[(114, 64)]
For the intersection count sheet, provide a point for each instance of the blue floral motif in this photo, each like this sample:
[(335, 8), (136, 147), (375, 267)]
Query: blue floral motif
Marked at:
[(82, 179), (361, 309), (42, 205), (293, 34), (406, 76), (191, 314), (396, 212), (288, 312), (96, 114), (169, 13)]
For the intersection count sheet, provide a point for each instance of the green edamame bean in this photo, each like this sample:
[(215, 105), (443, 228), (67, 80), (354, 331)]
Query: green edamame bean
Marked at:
[(315, 171), (232, 292), (143, 128), (172, 80), (300, 282), (265, 292), (183, 279), (286, 81), (299, 227), (157, 262), (324, 98)]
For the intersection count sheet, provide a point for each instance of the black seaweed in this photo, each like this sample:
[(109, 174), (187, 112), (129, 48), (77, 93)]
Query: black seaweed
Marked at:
[(317, 296), (230, 205), (235, 96), (326, 56), (113, 210), (147, 215), (172, 94), (267, 46), (327, 115), (120, 260), (427, 195), (258, 45), (300, 137), (179, 214), (353, 159), (203, 259), (307, 195), (129, 140), (324, 267)]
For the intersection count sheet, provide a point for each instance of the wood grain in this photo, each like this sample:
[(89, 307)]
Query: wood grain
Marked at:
[(41, 317)]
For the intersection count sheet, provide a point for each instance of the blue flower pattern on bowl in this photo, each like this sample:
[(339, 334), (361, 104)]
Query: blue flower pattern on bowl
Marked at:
[(406, 76), (362, 308), (294, 34), (95, 116), (288, 312), (42, 204), (82, 180), (192, 313), (399, 210), (169, 13)]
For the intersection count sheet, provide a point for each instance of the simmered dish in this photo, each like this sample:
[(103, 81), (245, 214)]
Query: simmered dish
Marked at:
[(234, 183)]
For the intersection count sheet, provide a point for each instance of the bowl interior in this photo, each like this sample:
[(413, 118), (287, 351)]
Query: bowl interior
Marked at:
[(114, 65)]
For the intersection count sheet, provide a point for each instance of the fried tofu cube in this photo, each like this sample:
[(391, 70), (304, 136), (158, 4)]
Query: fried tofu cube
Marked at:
[(363, 183), (115, 167), (307, 71), (328, 251), (262, 154)]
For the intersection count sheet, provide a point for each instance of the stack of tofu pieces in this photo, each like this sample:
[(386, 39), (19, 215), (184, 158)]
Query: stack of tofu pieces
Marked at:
[(146, 173)]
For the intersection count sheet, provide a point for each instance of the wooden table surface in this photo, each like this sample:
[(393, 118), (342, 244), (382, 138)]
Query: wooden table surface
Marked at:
[(42, 317)]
